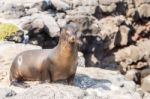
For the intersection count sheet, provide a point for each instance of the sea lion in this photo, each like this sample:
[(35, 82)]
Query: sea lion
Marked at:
[(50, 65)]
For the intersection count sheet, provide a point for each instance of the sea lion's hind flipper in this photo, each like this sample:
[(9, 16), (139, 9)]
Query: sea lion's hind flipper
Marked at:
[(19, 84)]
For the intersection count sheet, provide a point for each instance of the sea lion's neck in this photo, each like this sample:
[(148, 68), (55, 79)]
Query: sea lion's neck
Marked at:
[(66, 49)]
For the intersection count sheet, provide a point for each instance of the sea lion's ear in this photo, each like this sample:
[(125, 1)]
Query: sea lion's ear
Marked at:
[(62, 30)]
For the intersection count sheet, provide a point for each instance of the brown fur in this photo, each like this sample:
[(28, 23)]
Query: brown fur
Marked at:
[(49, 65)]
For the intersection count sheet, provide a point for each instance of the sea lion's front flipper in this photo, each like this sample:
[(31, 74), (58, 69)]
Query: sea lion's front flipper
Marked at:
[(70, 80)]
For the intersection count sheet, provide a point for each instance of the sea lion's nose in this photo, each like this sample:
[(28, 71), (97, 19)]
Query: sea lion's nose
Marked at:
[(72, 39)]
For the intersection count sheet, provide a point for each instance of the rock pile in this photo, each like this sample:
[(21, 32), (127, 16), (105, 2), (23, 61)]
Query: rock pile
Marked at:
[(135, 62)]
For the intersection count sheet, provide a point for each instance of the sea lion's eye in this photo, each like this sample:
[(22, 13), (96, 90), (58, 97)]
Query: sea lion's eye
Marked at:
[(68, 32)]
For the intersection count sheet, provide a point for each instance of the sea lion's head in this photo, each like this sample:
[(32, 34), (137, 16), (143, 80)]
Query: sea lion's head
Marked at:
[(69, 33)]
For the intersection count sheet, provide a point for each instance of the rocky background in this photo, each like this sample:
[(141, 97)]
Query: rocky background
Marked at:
[(114, 36)]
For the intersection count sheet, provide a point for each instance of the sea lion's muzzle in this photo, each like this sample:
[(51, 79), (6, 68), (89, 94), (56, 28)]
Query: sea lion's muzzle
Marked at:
[(72, 39)]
